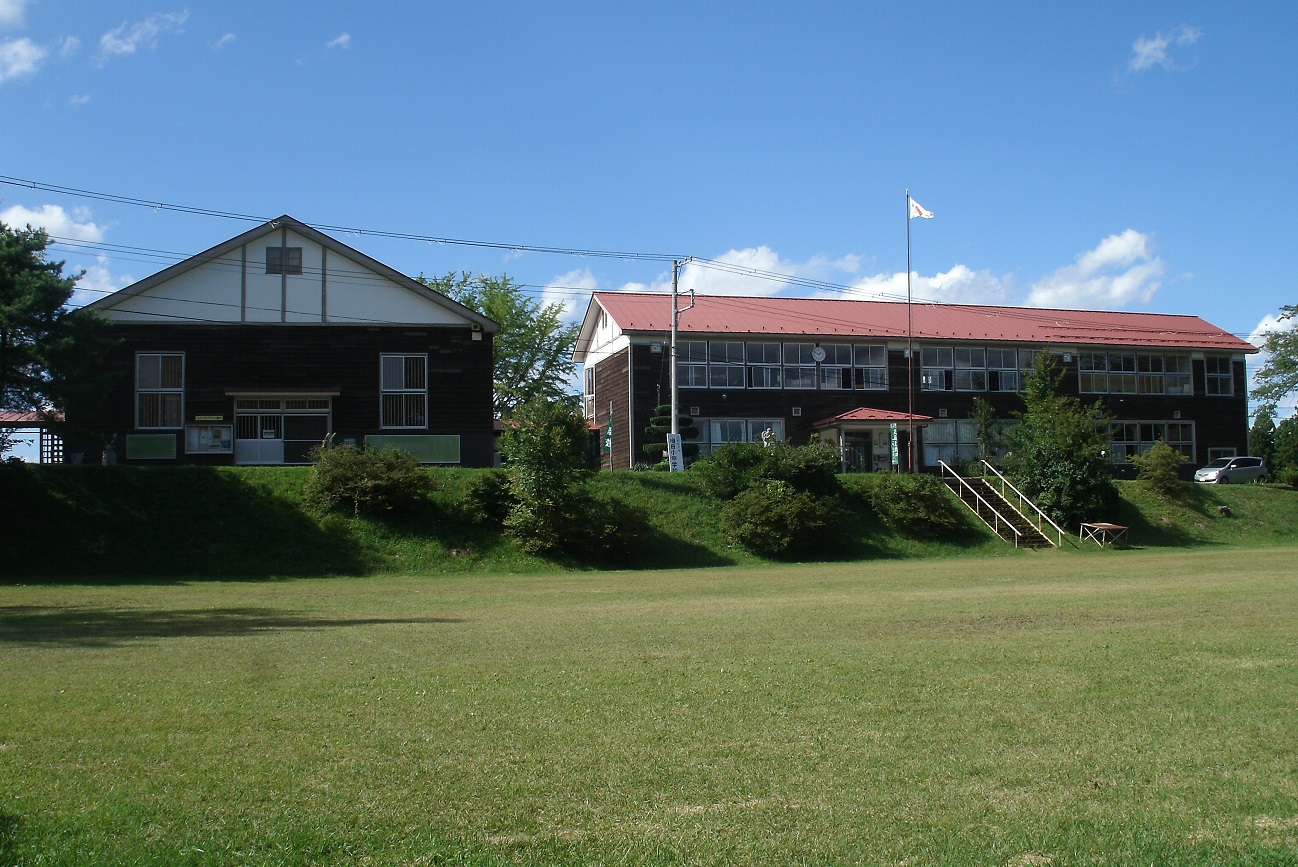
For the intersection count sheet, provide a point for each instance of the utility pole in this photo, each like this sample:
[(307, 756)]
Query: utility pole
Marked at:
[(676, 315)]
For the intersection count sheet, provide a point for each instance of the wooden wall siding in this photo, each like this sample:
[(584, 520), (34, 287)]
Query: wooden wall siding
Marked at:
[(307, 357), (1219, 421), (611, 385)]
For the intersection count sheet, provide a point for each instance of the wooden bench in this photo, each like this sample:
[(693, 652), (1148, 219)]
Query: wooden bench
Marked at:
[(1102, 534)]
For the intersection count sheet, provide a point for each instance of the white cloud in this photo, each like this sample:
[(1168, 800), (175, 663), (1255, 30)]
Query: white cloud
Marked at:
[(69, 46), (342, 41), (55, 221), (225, 40), (960, 285), (738, 272), (1120, 271), (571, 291), (11, 12), (128, 38), (1158, 50), (80, 99), (96, 282), (19, 58)]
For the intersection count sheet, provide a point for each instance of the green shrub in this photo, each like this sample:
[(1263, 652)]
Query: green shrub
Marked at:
[(1158, 469), (1288, 476), (488, 498), (365, 480), (772, 519), (735, 467), (917, 506)]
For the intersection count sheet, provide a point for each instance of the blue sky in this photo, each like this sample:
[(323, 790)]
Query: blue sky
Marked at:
[(1124, 156)]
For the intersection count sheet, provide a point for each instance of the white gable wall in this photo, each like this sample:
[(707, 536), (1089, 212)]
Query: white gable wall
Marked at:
[(236, 288)]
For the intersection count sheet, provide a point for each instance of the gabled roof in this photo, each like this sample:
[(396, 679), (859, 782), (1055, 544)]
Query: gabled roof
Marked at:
[(333, 245), (866, 413), (820, 318)]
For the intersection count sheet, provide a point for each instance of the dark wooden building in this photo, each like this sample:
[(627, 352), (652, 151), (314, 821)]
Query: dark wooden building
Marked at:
[(839, 370), (260, 348)]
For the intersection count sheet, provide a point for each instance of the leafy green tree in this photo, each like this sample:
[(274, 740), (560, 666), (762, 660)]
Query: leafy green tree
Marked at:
[(50, 355), (988, 429), (533, 351), (1278, 376), (1057, 450), (1159, 470), (544, 445), (1286, 444), (1261, 437)]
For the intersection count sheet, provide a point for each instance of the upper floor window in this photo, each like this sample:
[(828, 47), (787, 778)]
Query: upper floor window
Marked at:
[(159, 389), (726, 368), (871, 366), (764, 370), (799, 365), (283, 260), (692, 363), (404, 391), (1218, 377), (835, 366)]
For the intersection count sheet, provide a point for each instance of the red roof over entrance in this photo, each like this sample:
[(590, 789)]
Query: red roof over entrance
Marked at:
[(829, 318), (865, 413)]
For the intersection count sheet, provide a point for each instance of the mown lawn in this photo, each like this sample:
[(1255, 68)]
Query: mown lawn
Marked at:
[(1116, 707)]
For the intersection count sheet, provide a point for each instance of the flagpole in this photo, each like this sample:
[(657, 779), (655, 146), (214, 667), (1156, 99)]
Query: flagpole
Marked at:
[(910, 353)]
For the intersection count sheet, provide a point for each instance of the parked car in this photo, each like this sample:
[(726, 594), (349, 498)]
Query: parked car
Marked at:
[(1225, 471)]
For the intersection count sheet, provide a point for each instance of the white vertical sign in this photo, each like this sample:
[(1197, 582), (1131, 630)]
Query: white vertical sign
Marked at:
[(675, 459)]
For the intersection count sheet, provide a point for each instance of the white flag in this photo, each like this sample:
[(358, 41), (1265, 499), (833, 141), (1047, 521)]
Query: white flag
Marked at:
[(918, 210)]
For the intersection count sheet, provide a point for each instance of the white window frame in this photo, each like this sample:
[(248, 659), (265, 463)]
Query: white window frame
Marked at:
[(410, 396), (170, 409), (871, 366), (1218, 377)]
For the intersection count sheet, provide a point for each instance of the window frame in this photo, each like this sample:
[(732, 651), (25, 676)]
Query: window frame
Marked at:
[(1210, 376), (166, 411), (290, 262), (410, 396)]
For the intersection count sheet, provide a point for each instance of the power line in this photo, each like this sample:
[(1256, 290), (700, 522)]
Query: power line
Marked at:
[(352, 230)]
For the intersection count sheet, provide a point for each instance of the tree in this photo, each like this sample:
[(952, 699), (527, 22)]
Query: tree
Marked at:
[(660, 425), (988, 429), (1286, 444), (1057, 451), (533, 350), (1261, 438), (50, 355), (544, 447), (1278, 376)]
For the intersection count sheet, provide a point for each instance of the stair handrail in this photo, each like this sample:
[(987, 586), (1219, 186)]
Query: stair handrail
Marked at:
[(1023, 499), (999, 517)]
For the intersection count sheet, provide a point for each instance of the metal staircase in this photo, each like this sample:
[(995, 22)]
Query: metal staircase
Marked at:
[(1003, 508)]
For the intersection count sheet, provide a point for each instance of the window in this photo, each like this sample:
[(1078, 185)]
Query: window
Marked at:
[(1218, 452), (1129, 438), (692, 363), (404, 387), (764, 365), (1178, 379), (1149, 376), (1218, 376), (714, 432), (970, 369), (283, 260), (726, 364), (159, 389), (871, 366), (588, 393), (950, 441), (836, 367), (799, 365), (1002, 370), (937, 371), (1093, 372)]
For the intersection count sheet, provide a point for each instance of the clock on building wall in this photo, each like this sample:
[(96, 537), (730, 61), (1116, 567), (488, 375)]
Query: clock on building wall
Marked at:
[(818, 354)]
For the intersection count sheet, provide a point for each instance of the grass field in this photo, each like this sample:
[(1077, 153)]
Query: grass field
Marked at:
[(1056, 708)]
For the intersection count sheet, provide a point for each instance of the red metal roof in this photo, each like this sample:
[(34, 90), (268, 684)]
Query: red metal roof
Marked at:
[(8, 418), (825, 317), (865, 413)]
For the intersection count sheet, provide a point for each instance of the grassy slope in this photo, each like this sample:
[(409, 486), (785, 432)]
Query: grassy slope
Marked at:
[(1118, 708), (75, 522)]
